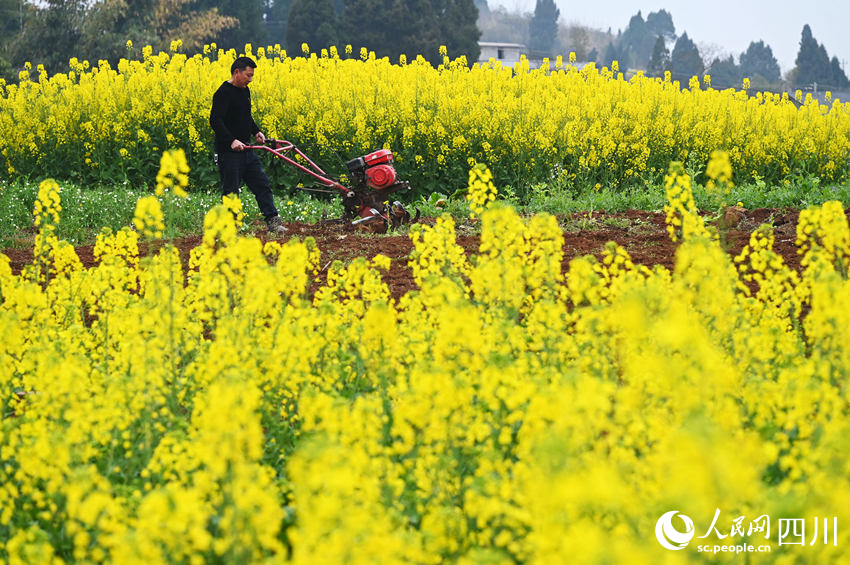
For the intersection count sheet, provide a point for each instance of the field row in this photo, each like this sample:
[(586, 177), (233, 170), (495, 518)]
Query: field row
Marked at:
[(96, 124)]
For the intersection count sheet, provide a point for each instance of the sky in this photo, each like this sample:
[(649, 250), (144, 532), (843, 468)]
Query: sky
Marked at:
[(729, 25)]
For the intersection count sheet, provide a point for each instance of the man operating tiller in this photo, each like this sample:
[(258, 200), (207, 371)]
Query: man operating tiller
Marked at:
[(230, 118)]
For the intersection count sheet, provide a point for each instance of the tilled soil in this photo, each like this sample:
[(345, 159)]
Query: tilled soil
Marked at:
[(642, 234)]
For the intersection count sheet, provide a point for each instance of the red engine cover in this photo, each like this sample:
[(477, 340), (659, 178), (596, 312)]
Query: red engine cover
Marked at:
[(378, 157), (380, 176)]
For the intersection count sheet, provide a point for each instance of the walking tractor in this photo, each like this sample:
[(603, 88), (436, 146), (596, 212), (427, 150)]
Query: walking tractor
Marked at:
[(366, 202)]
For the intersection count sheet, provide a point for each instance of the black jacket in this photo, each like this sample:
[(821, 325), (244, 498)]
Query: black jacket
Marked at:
[(230, 116)]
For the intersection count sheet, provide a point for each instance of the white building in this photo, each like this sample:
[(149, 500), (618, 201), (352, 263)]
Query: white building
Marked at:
[(509, 53), (505, 53)]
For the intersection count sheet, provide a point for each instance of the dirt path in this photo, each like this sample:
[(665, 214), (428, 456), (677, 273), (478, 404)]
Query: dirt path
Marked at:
[(642, 234)]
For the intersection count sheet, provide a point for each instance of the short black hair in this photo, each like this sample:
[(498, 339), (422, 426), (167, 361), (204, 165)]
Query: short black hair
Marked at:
[(242, 63)]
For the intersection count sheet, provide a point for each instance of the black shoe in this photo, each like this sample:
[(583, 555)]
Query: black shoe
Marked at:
[(275, 225)]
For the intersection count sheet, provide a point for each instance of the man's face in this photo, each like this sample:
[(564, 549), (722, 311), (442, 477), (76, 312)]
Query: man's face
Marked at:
[(243, 77)]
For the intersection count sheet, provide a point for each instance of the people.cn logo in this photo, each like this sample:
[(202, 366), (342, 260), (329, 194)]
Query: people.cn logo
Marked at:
[(670, 537)]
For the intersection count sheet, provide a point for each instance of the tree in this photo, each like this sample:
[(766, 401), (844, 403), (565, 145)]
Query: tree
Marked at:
[(412, 27), (543, 28), (276, 12), (111, 23), (839, 79), (11, 22), (661, 23), (249, 16), (483, 7), (685, 60), (6, 71), (391, 27), (458, 29), (725, 73), (312, 22), (578, 42), (637, 42), (812, 63), (503, 26), (659, 62), (758, 61), (709, 52), (51, 35), (613, 53), (11, 18)]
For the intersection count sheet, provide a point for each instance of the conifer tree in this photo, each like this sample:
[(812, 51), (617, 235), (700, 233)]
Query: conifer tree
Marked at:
[(685, 60), (543, 28), (661, 23), (637, 42), (839, 78), (758, 61), (725, 73), (660, 59), (812, 63), (613, 53)]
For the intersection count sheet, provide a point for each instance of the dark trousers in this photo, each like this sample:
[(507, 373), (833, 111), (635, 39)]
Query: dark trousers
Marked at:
[(243, 167)]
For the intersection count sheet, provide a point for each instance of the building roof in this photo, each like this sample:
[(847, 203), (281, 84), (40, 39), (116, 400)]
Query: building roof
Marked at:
[(500, 44)]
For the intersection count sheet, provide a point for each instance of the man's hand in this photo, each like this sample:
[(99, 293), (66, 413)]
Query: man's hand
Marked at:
[(260, 138), (237, 145)]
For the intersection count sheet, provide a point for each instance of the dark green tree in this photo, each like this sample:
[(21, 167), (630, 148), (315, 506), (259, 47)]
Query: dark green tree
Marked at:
[(391, 27), (412, 27), (6, 71), (839, 79), (111, 24), (812, 63), (458, 29), (661, 23), (613, 53), (51, 35), (543, 28), (312, 22), (11, 22), (758, 61), (824, 68), (685, 60), (725, 73), (12, 14), (659, 61)]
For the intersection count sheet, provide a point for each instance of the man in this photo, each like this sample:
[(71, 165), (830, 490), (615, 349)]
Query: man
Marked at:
[(230, 118)]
